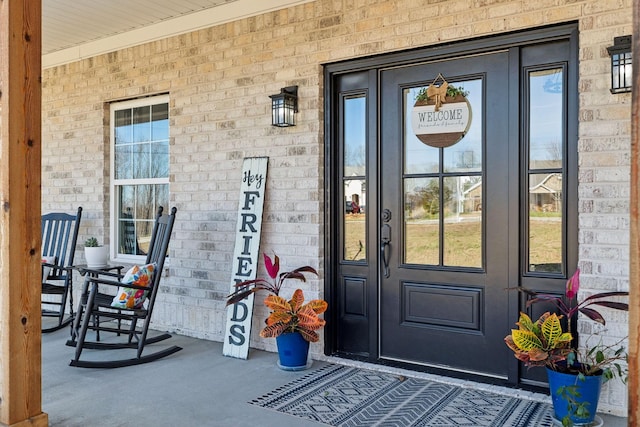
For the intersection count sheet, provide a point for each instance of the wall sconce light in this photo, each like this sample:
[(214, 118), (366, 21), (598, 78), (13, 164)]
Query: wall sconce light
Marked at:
[(284, 105), (621, 63)]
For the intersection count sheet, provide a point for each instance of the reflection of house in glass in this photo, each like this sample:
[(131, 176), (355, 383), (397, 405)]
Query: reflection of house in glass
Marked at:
[(545, 194), (355, 190), (472, 198)]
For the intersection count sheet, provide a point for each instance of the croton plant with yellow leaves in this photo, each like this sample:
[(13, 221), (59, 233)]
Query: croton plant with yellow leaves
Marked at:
[(294, 315), (545, 342), (540, 343)]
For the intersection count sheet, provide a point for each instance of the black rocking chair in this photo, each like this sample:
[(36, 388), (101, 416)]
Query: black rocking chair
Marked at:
[(96, 312), (59, 236)]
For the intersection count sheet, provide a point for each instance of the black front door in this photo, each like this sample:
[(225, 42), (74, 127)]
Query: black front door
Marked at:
[(425, 234), (442, 295)]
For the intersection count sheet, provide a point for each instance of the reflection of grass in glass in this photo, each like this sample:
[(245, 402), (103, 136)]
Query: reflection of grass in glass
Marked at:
[(463, 242), (422, 243), (545, 241), (536, 214), (355, 237)]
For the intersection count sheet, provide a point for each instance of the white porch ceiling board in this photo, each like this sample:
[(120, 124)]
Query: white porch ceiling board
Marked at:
[(77, 29), (86, 20)]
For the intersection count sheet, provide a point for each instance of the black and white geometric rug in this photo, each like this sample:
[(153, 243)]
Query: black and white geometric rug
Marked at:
[(344, 396)]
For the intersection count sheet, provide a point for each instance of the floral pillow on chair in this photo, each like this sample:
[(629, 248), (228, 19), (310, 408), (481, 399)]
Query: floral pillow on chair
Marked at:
[(129, 298)]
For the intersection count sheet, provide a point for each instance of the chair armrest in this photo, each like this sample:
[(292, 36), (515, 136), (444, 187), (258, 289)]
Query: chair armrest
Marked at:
[(54, 266), (103, 281), (56, 271), (99, 271)]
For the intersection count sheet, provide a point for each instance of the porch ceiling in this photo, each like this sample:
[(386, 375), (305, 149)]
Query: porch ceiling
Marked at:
[(73, 30), (67, 23)]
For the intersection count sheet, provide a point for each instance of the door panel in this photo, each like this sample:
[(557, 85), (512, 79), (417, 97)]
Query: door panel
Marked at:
[(355, 240), (443, 302)]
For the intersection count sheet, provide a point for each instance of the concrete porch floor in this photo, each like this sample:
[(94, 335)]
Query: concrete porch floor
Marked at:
[(197, 386)]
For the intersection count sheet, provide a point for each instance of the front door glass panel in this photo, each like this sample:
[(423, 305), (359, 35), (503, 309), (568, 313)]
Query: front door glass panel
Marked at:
[(422, 220), (443, 189)]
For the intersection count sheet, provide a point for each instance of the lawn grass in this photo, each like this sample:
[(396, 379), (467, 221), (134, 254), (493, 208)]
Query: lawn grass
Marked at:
[(463, 246)]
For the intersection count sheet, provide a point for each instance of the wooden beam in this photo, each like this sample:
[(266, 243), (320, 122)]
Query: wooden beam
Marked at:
[(20, 158), (634, 244)]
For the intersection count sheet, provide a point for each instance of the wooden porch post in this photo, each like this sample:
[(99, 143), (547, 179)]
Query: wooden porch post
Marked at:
[(634, 245), (20, 156)]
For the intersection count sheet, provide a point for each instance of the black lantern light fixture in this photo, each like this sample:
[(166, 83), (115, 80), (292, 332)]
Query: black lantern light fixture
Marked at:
[(621, 61), (284, 105)]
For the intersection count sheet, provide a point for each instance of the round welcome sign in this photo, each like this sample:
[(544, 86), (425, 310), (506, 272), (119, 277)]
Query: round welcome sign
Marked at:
[(441, 115)]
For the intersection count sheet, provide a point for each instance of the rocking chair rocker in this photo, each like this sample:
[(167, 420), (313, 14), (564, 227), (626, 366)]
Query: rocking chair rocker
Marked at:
[(59, 232), (98, 311)]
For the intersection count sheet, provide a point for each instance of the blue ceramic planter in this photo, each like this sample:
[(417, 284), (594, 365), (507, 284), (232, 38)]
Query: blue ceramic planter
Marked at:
[(588, 389), (292, 351)]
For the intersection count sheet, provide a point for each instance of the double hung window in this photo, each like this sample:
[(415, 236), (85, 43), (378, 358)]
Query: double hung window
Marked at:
[(140, 172)]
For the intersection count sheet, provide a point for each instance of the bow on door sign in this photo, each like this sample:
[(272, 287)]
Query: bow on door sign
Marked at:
[(438, 92)]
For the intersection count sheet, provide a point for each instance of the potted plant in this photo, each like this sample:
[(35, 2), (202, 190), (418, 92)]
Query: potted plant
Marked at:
[(96, 255), (575, 376), (292, 322)]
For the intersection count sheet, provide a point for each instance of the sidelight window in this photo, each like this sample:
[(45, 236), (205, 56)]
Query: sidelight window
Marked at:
[(354, 177), (546, 169)]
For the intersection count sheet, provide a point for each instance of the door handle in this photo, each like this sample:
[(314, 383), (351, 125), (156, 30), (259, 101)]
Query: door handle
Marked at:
[(385, 248)]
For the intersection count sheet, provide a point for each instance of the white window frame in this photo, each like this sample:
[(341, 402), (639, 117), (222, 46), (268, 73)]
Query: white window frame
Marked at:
[(114, 184)]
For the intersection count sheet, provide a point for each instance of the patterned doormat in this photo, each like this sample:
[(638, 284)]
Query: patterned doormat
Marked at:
[(339, 395)]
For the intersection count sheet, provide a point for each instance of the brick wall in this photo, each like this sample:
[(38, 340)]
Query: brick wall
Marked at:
[(219, 80)]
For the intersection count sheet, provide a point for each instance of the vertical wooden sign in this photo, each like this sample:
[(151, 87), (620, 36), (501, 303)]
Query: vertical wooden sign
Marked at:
[(245, 254)]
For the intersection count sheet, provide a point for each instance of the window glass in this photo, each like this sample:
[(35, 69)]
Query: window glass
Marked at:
[(140, 138), (545, 222), (355, 232), (355, 134), (463, 221), (546, 135), (545, 119), (355, 185), (137, 208), (466, 154), (122, 126), (443, 191), (419, 157), (422, 221), (142, 124)]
